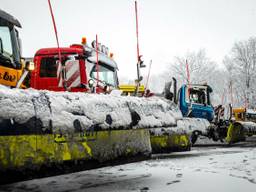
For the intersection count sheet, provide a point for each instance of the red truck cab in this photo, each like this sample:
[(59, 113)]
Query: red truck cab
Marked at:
[(81, 70)]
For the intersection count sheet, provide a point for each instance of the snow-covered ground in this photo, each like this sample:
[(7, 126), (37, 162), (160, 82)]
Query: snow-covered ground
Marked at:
[(211, 169)]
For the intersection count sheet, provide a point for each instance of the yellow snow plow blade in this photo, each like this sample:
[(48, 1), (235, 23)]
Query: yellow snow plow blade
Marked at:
[(243, 126), (31, 151), (239, 130), (170, 143), (234, 133)]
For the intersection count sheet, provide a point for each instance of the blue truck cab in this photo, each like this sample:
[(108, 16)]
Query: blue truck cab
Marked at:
[(194, 101)]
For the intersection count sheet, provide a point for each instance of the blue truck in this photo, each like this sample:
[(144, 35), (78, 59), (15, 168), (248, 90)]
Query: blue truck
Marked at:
[(194, 101)]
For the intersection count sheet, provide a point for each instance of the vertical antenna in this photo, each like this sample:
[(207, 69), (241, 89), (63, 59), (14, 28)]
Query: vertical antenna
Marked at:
[(188, 77), (222, 97), (139, 62), (137, 31), (61, 67), (97, 59), (148, 75), (231, 92), (246, 103)]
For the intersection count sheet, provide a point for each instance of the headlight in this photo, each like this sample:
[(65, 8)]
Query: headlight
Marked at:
[(91, 83)]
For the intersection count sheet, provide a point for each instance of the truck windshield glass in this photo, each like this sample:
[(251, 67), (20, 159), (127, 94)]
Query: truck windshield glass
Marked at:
[(5, 36), (106, 74), (197, 95)]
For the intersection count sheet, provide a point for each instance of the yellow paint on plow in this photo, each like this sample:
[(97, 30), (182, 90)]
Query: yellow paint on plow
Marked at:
[(29, 150), (235, 133), (169, 143)]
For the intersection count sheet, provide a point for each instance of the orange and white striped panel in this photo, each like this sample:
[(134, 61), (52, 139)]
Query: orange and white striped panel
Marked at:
[(72, 73)]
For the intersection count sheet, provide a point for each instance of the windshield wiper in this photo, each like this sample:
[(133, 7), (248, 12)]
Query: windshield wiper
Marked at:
[(104, 82), (6, 59)]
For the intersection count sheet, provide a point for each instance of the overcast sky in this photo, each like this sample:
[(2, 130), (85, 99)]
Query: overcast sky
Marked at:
[(167, 27)]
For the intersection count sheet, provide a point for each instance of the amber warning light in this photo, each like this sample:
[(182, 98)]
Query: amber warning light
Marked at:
[(84, 40)]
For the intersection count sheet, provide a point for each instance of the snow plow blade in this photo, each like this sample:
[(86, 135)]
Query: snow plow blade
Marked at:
[(170, 142), (39, 128), (180, 137), (239, 130), (23, 154)]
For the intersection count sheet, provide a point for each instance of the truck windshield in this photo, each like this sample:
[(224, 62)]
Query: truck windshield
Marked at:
[(197, 95), (107, 74), (6, 43)]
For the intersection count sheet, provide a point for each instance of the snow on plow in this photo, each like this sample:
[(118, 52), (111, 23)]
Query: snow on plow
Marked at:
[(177, 138), (38, 127), (61, 111), (239, 130)]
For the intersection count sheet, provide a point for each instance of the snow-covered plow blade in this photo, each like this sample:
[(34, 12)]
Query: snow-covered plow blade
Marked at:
[(239, 130), (44, 127), (179, 137), (249, 127), (166, 140), (41, 127)]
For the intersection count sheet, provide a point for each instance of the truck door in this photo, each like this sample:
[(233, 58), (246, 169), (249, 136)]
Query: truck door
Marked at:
[(45, 75)]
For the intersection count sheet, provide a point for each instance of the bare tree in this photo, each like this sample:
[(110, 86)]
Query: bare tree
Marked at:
[(201, 68), (242, 63)]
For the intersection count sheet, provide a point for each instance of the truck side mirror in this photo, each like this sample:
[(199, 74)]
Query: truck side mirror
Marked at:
[(168, 94), (174, 90), (30, 66), (91, 83), (1, 46), (141, 62), (170, 90)]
